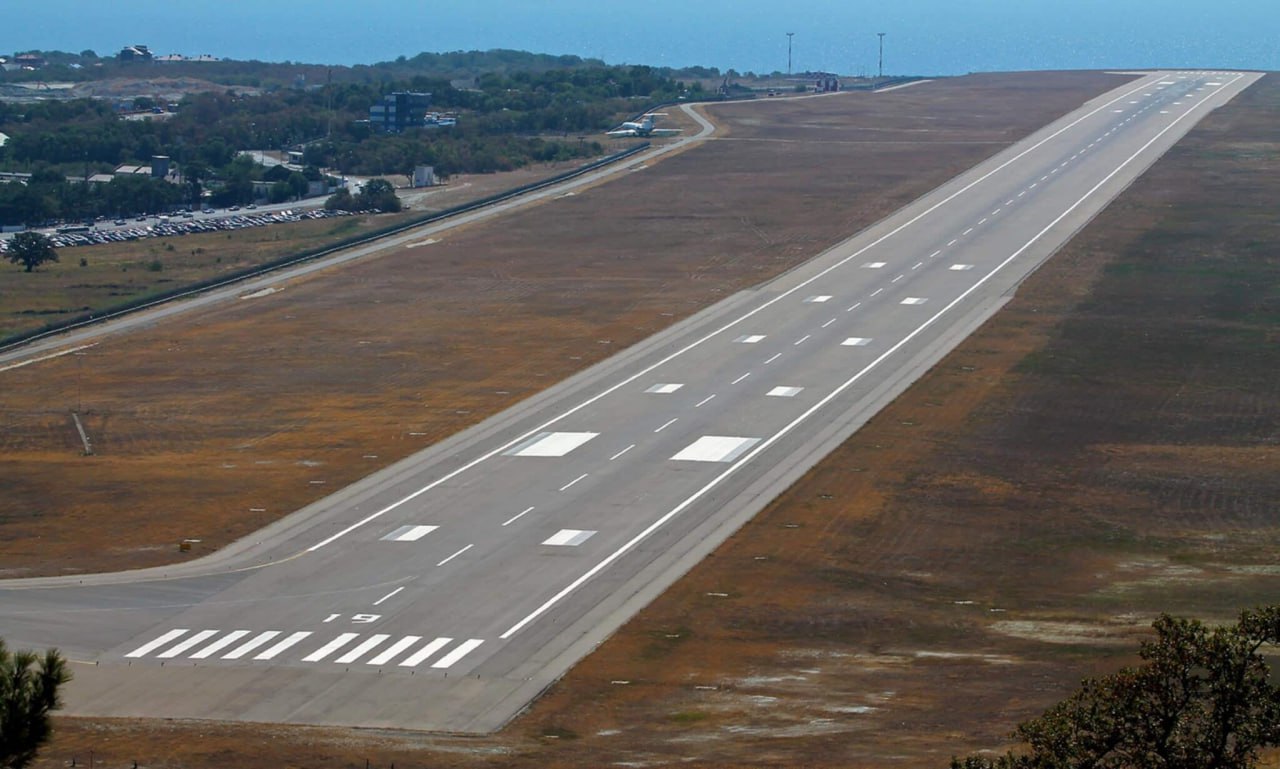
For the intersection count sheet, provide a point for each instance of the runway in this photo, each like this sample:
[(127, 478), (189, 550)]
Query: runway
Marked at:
[(447, 591)]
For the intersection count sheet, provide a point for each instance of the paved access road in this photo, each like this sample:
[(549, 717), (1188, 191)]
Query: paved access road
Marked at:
[(447, 591)]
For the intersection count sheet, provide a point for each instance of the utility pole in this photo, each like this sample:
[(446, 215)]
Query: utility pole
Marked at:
[(881, 34), (79, 377), (789, 34)]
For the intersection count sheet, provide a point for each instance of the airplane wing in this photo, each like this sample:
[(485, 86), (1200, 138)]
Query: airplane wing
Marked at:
[(665, 131), (623, 132)]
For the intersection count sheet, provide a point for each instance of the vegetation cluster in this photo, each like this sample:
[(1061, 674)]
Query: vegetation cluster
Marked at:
[(513, 109), (1202, 697)]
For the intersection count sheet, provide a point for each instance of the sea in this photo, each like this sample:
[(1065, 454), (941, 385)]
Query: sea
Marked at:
[(920, 37)]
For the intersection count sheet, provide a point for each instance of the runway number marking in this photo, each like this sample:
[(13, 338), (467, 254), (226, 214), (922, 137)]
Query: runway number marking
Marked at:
[(363, 619)]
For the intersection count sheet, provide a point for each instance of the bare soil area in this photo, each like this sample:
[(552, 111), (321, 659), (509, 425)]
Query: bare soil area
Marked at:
[(1103, 449)]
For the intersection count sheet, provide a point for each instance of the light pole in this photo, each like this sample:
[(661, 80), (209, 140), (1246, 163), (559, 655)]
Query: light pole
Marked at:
[(881, 34), (789, 34)]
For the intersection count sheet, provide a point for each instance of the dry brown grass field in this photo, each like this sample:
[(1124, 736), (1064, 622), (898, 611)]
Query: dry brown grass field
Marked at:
[(96, 278), (1102, 449)]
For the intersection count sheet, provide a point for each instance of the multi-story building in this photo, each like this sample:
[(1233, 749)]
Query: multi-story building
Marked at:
[(398, 111)]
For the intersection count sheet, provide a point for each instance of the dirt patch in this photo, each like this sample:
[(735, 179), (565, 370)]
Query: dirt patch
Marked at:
[(1071, 445)]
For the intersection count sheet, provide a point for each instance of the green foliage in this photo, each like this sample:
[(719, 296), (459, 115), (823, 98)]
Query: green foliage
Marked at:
[(378, 195), (29, 688), (31, 249), (1201, 698), (341, 201), (48, 196), (517, 108)]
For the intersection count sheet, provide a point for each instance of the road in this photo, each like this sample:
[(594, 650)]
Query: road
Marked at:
[(448, 591)]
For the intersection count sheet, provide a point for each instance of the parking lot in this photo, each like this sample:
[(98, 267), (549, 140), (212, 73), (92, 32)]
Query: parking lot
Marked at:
[(184, 223)]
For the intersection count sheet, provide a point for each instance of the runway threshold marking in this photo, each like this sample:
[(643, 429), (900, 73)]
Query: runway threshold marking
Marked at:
[(220, 644), (761, 446), (279, 646), (331, 647), (334, 645), (187, 644), (422, 654), (714, 333), (394, 650), (450, 659), (146, 648), (366, 646), (250, 645)]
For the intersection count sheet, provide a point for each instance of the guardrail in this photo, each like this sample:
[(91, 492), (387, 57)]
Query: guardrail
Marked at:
[(247, 273)]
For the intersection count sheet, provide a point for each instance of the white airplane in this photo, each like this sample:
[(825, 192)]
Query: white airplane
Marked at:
[(643, 127)]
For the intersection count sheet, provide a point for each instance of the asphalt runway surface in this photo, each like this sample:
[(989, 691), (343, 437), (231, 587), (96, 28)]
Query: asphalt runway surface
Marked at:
[(447, 591)]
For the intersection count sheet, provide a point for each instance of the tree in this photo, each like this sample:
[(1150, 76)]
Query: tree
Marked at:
[(29, 687), (378, 195), (31, 249), (1202, 698), (340, 201)]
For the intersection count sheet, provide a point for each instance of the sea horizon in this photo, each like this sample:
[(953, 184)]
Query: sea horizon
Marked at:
[(922, 37)]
